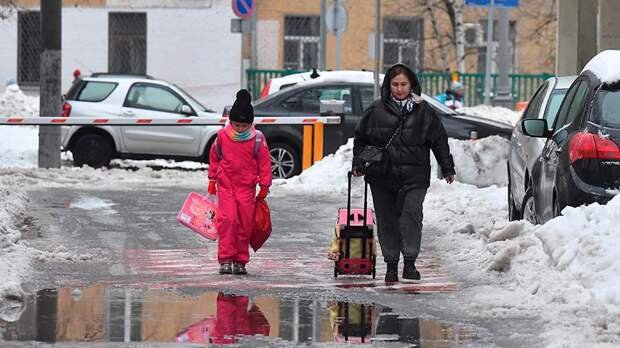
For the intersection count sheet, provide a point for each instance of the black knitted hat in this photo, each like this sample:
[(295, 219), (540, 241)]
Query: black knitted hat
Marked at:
[(242, 110)]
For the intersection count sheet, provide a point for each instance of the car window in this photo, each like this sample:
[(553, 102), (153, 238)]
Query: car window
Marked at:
[(607, 108), (309, 100), (367, 95), (575, 105), (533, 107), (563, 112), (555, 99), (96, 91), (143, 96)]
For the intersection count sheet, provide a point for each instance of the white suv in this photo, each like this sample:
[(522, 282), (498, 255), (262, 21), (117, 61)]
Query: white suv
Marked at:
[(131, 96)]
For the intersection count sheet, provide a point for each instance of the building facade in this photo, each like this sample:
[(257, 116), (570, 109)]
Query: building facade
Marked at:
[(186, 42)]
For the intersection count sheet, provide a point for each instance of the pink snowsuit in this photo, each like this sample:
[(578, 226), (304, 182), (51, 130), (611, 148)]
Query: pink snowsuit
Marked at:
[(236, 175)]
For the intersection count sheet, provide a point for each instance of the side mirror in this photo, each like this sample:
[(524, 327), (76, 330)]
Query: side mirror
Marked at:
[(536, 128), (186, 110), (332, 107)]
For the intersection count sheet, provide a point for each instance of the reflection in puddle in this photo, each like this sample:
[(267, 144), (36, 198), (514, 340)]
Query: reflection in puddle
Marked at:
[(100, 314)]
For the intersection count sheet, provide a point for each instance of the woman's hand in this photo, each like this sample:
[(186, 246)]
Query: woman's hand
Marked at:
[(357, 172), (450, 179)]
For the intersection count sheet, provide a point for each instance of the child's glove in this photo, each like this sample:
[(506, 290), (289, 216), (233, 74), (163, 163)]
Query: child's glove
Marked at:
[(262, 194), (212, 190)]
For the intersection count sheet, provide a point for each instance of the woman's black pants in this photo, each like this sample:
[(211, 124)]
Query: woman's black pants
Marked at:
[(399, 222)]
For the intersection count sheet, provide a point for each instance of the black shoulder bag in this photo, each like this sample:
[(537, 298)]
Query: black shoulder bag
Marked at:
[(374, 160)]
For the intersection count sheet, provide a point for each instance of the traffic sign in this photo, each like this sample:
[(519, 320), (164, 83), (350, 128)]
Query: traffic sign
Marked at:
[(243, 8), (336, 19), (498, 3)]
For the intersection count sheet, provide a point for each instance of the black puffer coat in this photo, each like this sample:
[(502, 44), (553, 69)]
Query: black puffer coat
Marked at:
[(409, 152)]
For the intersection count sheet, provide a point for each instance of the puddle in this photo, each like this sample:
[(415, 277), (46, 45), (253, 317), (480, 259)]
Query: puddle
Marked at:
[(108, 314)]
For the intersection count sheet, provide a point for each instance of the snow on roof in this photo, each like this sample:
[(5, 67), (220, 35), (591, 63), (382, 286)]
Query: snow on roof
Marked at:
[(605, 66)]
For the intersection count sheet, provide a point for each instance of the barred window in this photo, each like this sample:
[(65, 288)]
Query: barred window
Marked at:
[(301, 42), (127, 42), (403, 42), (29, 47)]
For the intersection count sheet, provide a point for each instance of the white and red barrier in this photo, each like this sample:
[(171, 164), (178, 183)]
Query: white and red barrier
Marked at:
[(185, 121)]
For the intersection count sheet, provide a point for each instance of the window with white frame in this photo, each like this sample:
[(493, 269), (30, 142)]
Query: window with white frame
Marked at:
[(403, 42), (301, 42)]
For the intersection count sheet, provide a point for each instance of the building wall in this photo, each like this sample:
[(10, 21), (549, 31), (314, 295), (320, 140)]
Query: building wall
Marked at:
[(536, 27), (189, 46)]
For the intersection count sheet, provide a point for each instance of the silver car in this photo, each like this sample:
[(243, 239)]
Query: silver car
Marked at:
[(130, 96), (525, 150)]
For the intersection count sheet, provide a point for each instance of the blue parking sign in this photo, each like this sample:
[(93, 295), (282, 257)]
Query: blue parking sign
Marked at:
[(243, 8), (498, 3)]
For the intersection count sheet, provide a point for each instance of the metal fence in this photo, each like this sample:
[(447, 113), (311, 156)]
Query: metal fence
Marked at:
[(28, 47), (433, 83)]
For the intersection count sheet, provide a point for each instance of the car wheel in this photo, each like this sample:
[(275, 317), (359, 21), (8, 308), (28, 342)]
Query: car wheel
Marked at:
[(92, 150), (513, 212), (529, 208), (285, 161)]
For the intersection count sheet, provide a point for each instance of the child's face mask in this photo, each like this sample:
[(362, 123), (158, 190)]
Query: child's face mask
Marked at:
[(241, 127)]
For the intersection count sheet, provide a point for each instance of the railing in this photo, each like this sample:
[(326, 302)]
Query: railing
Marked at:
[(433, 83)]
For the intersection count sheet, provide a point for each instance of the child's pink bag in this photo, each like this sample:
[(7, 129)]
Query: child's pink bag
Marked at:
[(198, 213)]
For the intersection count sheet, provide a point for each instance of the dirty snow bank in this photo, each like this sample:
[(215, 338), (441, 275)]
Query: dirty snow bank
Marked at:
[(564, 272), (480, 163)]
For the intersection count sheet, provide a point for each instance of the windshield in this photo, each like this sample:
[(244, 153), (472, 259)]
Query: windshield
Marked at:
[(192, 100), (606, 108), (438, 105)]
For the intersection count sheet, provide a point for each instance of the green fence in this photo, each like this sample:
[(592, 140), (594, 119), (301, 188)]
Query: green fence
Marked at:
[(433, 83)]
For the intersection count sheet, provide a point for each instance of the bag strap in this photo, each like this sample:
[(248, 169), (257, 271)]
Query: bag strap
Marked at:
[(258, 139), (400, 124)]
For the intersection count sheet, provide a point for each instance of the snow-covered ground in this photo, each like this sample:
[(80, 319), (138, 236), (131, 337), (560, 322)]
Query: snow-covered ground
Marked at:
[(564, 273)]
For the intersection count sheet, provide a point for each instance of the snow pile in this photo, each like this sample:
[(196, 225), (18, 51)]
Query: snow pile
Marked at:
[(14, 258), (605, 66), (480, 163), (564, 272), (496, 113), (13, 102)]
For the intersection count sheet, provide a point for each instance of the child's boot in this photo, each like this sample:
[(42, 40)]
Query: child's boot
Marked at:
[(226, 268), (409, 270), (391, 275), (239, 268)]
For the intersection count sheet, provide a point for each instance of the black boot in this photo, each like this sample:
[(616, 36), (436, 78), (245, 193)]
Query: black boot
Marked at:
[(391, 275), (225, 268), (409, 270)]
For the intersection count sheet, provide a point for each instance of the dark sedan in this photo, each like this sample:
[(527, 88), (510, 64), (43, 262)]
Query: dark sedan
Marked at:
[(580, 162), (304, 99)]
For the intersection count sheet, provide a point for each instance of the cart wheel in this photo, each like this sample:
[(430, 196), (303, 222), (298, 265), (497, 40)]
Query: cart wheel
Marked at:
[(335, 272)]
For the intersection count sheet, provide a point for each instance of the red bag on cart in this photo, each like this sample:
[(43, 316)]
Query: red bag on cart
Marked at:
[(262, 224)]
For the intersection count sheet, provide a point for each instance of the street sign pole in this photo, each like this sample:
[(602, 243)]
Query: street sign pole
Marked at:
[(503, 96), (487, 73), (323, 40), (337, 33)]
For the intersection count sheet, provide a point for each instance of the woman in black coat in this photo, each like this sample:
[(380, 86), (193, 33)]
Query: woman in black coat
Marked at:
[(398, 194)]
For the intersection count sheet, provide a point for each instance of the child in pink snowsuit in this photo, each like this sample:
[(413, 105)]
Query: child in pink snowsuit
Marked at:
[(239, 159)]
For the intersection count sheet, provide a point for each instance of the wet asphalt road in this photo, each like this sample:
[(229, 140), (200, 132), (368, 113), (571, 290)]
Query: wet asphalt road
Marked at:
[(131, 273)]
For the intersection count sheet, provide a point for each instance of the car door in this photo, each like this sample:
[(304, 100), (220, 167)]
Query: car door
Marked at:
[(519, 145), (556, 146), (146, 100)]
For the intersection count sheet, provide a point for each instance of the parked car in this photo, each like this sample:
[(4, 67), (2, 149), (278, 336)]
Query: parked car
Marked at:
[(525, 151), (131, 96), (580, 162), (355, 88)]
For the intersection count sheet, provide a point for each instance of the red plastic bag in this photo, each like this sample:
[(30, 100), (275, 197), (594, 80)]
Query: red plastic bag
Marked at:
[(262, 224)]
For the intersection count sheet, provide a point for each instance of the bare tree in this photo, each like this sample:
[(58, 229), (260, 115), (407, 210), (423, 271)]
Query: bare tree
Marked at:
[(6, 8), (443, 54)]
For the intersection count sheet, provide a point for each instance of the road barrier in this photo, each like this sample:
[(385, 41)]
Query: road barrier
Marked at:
[(312, 131)]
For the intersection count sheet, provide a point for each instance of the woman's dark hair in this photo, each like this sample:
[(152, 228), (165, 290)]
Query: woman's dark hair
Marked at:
[(397, 70)]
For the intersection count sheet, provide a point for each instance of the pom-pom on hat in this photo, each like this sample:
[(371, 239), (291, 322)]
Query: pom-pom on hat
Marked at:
[(242, 110)]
